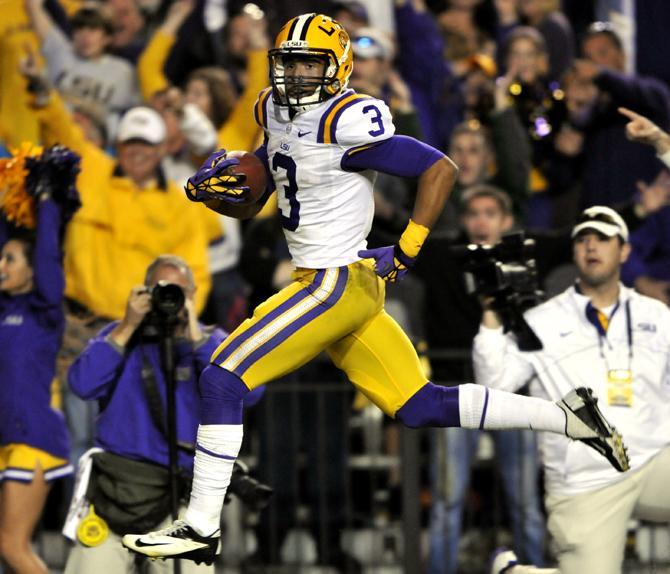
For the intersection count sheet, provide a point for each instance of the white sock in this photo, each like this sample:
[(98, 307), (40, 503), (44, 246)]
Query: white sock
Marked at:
[(211, 475), (482, 407)]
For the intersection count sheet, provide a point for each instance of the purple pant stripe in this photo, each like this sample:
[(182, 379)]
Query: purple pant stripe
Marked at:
[(271, 316), (212, 453), (486, 404), (289, 330)]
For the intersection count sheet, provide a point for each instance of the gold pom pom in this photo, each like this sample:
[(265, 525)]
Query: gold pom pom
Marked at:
[(15, 202)]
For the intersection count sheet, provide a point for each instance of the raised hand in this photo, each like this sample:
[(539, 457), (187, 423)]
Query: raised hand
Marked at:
[(643, 130)]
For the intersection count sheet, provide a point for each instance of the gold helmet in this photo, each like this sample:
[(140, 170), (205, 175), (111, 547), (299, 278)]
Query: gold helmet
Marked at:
[(310, 36)]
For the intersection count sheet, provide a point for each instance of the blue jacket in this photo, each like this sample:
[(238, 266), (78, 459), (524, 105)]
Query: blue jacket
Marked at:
[(31, 329), (113, 376), (611, 163), (650, 255), (435, 91)]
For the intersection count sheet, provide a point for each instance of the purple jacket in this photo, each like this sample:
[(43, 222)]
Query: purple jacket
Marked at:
[(112, 376)]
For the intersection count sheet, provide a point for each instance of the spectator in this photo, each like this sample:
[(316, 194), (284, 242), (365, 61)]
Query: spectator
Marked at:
[(131, 426), (429, 76), (82, 68), (649, 270), (556, 30), (131, 213), (351, 14), (34, 444), (540, 108), (196, 46), (610, 165), (504, 162), (129, 36), (451, 316), (468, 27), (210, 91), (601, 334)]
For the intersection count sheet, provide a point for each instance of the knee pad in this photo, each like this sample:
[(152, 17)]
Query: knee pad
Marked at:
[(221, 396), (431, 406)]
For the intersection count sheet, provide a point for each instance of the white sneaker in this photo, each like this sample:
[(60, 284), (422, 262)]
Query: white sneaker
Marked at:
[(585, 422), (178, 540), (503, 560)]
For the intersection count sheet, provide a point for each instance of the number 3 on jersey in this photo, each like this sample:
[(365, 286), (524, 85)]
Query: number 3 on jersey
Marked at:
[(286, 162)]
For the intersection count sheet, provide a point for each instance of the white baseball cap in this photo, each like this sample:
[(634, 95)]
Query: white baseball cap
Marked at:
[(603, 220), (142, 123)]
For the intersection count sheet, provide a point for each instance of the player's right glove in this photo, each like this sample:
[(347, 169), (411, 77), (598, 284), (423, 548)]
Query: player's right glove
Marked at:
[(212, 181), (394, 261)]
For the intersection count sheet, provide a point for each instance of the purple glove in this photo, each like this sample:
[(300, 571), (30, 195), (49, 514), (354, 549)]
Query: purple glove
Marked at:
[(212, 182), (391, 264)]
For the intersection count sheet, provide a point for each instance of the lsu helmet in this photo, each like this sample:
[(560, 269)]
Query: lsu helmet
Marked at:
[(311, 36)]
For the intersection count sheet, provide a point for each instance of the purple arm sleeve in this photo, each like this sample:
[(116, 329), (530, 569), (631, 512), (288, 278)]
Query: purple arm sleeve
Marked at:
[(398, 155), (48, 268)]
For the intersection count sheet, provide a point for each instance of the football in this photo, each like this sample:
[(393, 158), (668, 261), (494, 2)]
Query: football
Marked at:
[(256, 178), (254, 169)]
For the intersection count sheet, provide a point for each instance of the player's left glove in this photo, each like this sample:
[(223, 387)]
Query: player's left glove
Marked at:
[(394, 261), (212, 182)]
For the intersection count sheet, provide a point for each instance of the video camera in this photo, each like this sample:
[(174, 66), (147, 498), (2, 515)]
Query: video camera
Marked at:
[(167, 300), (506, 272), (254, 494)]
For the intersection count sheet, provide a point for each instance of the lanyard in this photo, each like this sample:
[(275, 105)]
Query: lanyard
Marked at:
[(592, 316)]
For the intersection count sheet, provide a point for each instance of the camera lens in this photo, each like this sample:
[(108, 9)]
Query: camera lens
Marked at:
[(167, 298)]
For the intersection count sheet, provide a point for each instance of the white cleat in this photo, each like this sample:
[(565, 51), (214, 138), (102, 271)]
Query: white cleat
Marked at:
[(178, 540), (585, 422)]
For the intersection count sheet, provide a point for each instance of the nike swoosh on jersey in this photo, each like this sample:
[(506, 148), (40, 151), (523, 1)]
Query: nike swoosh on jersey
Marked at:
[(301, 134)]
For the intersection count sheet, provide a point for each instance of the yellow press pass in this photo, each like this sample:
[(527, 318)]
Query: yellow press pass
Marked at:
[(620, 388), (92, 530)]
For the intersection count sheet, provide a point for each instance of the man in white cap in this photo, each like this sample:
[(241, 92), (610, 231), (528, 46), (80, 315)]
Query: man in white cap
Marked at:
[(131, 211), (602, 335)]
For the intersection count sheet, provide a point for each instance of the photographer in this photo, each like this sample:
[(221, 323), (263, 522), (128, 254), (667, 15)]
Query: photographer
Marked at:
[(602, 335), (121, 368), (451, 318)]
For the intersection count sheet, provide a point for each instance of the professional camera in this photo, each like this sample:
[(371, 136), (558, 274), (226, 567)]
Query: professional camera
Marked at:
[(255, 495), (506, 272), (167, 300)]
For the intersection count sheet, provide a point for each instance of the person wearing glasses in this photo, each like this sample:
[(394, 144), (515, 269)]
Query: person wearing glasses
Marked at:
[(603, 335)]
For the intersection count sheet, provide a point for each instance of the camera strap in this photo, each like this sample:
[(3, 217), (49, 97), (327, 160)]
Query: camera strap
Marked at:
[(155, 401)]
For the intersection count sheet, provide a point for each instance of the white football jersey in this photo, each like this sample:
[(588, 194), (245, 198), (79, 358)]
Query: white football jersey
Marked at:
[(326, 212)]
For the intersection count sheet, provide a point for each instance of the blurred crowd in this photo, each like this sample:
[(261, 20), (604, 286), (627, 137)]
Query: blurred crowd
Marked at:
[(530, 98)]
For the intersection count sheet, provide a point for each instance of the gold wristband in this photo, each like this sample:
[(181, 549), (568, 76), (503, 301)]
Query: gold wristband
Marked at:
[(412, 238)]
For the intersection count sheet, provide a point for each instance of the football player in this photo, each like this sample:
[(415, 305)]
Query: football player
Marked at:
[(323, 145)]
